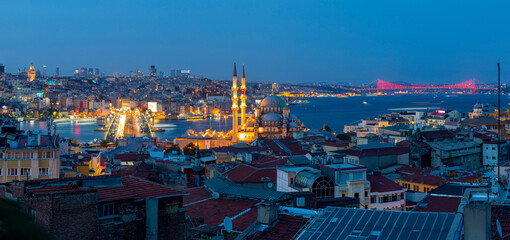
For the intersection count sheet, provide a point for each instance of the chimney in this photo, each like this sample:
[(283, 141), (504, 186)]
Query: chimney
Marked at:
[(267, 213), (477, 220)]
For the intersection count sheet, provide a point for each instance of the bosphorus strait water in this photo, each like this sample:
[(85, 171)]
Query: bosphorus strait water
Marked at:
[(337, 112), (331, 111)]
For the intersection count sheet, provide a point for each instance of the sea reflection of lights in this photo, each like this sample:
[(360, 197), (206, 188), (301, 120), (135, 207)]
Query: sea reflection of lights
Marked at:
[(122, 122)]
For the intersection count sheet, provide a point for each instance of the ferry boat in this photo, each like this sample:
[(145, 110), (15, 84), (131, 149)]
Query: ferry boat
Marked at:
[(187, 116), (158, 129), (195, 117)]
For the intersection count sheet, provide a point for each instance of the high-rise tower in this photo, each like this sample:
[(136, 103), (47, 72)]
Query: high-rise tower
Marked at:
[(243, 100), (31, 73), (235, 107)]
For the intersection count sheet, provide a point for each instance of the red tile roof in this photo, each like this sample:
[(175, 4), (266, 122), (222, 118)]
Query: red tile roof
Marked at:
[(381, 184), (196, 194), (133, 187), (269, 161), (294, 147), (214, 212), (284, 229), (438, 204), (233, 149), (421, 144), (58, 189), (245, 173)]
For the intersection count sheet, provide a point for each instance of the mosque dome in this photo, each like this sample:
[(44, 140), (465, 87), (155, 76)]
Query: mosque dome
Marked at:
[(293, 125), (272, 101), (272, 117)]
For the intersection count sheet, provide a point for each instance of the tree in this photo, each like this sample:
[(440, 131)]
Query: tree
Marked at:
[(326, 128), (189, 149), (103, 143), (173, 147), (343, 136), (15, 222)]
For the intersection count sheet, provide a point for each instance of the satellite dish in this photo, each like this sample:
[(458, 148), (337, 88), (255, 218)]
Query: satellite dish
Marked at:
[(228, 224), (215, 195), (500, 232)]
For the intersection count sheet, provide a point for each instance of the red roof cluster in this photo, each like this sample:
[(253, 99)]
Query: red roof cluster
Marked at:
[(294, 147), (439, 204), (285, 229), (245, 173), (234, 149), (214, 211), (131, 187), (139, 169), (195, 194), (382, 184), (269, 161)]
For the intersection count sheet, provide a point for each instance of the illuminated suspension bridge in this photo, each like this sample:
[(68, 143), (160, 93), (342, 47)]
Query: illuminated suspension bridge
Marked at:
[(381, 85)]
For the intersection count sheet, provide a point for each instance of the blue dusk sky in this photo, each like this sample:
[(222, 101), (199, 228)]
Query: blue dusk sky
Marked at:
[(282, 41)]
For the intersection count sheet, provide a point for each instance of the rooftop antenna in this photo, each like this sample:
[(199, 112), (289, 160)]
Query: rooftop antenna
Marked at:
[(228, 224)]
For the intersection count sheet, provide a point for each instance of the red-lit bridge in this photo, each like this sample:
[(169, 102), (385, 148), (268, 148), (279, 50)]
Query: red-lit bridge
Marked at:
[(381, 85)]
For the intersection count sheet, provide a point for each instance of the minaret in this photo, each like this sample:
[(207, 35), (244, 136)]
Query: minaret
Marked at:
[(243, 100), (235, 108)]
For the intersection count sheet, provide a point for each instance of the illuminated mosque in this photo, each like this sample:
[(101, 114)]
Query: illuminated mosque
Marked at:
[(272, 119)]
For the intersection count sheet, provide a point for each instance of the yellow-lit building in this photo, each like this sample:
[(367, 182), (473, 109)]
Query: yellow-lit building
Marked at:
[(272, 119), (426, 182), (29, 164)]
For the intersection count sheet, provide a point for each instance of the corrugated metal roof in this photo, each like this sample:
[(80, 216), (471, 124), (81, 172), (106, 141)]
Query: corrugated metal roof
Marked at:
[(345, 223)]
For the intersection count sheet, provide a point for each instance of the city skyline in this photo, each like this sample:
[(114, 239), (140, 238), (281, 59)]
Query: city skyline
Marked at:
[(337, 42)]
